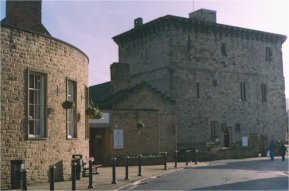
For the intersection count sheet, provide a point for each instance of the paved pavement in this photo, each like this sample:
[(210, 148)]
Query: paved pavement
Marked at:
[(103, 180)]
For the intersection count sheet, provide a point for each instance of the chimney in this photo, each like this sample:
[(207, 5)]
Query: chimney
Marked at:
[(119, 76), (138, 22), (204, 15), (24, 15)]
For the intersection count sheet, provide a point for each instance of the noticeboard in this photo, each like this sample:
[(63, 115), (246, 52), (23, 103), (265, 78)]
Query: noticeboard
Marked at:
[(245, 141), (118, 139)]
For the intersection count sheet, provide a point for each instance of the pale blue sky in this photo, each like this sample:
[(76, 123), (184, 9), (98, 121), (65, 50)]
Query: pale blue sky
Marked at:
[(90, 25)]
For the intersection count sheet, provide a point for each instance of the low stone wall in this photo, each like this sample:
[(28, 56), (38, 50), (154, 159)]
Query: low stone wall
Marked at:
[(145, 160), (218, 154)]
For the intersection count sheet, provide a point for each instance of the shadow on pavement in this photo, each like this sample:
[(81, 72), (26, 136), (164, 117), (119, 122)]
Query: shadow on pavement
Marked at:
[(260, 184), (262, 164)]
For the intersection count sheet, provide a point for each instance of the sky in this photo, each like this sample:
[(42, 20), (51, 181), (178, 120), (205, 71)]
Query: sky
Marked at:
[(90, 25)]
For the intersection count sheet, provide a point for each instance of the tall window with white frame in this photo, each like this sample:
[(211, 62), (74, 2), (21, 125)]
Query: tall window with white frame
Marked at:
[(36, 104), (71, 113)]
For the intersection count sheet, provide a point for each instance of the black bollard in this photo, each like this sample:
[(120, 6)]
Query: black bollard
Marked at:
[(73, 175), (90, 174), (165, 161), (190, 151), (139, 165), (126, 167), (197, 160), (176, 159), (113, 171), (187, 157), (24, 180), (51, 172)]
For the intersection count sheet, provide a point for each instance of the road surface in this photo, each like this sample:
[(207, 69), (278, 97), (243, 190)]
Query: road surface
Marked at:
[(241, 174)]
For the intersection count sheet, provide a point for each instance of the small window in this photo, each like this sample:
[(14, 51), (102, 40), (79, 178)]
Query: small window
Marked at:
[(36, 105), (71, 113), (243, 91), (198, 89), (237, 127), (189, 42), (214, 129), (268, 53), (224, 49), (264, 92)]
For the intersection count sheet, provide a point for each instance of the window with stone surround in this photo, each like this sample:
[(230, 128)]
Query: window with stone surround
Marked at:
[(243, 91), (268, 52), (214, 129), (264, 92), (71, 114), (36, 104)]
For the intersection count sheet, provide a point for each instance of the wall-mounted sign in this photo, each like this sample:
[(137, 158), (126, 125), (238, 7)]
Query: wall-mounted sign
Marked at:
[(118, 139), (245, 141)]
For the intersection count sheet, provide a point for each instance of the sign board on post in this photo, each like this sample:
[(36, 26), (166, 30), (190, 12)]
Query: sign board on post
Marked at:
[(245, 141), (118, 139)]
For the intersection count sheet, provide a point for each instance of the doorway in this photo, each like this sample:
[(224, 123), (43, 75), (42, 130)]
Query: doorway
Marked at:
[(226, 138), (97, 145)]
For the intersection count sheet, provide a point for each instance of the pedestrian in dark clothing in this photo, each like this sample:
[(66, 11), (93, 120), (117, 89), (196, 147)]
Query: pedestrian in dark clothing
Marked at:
[(283, 151), (271, 148)]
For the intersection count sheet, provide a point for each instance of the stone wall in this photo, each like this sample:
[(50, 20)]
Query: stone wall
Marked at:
[(22, 51), (219, 77), (157, 113), (148, 60)]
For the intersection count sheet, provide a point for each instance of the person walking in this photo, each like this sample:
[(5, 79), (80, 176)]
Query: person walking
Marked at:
[(283, 151), (271, 148)]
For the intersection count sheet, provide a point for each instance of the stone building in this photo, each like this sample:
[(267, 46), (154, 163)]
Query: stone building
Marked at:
[(226, 83), (122, 112), (38, 73)]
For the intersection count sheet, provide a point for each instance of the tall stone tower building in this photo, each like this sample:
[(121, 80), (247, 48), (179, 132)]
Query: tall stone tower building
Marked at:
[(38, 73), (227, 82)]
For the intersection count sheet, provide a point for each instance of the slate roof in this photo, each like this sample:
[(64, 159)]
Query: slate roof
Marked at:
[(99, 92), (102, 94)]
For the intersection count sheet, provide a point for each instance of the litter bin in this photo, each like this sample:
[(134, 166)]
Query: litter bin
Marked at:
[(78, 160), (16, 176)]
